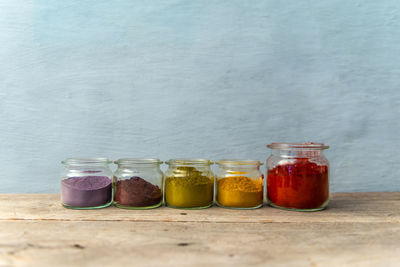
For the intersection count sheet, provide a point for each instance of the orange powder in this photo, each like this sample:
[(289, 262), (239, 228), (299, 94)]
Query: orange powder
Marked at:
[(240, 192)]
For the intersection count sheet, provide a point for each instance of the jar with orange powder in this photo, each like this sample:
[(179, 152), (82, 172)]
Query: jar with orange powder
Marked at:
[(239, 184)]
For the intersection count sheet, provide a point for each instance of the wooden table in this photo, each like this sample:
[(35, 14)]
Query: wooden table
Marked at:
[(357, 229)]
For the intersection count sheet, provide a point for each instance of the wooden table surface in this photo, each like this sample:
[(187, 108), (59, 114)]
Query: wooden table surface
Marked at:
[(358, 229)]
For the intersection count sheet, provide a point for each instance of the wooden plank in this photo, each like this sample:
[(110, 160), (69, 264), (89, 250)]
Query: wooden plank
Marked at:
[(358, 229), (125, 243), (343, 207)]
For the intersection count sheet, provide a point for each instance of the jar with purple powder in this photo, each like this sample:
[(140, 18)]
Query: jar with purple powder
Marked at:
[(138, 183), (86, 183)]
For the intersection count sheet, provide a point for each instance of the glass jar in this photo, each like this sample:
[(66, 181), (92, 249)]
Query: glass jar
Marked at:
[(239, 184), (298, 176), (189, 184), (138, 183), (86, 183)]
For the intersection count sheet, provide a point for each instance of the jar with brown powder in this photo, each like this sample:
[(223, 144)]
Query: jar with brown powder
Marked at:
[(138, 183)]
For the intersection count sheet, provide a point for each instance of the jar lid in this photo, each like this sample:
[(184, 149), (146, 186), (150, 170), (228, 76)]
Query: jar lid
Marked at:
[(241, 162), (189, 161), (86, 161), (137, 161), (289, 146)]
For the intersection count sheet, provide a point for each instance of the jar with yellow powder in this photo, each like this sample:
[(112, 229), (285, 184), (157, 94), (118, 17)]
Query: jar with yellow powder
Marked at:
[(189, 184), (239, 184)]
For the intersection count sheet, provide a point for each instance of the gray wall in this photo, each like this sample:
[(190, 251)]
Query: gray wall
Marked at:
[(215, 79)]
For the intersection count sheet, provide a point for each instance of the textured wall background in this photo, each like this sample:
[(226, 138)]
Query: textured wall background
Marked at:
[(216, 79)]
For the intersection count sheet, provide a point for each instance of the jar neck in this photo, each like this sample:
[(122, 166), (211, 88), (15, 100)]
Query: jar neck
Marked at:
[(138, 165), (91, 168), (297, 153), (77, 163), (197, 166), (135, 163), (196, 163), (239, 167)]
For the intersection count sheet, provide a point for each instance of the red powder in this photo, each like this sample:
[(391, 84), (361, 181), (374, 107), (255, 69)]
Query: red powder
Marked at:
[(299, 184)]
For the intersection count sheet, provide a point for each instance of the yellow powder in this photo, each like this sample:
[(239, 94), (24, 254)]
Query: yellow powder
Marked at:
[(240, 192), (189, 188)]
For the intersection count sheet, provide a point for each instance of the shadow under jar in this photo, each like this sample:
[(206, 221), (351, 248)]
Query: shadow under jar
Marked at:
[(298, 176), (86, 183), (189, 184), (239, 184), (138, 183)]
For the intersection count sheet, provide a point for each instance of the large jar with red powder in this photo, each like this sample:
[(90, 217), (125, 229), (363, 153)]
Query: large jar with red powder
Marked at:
[(298, 176)]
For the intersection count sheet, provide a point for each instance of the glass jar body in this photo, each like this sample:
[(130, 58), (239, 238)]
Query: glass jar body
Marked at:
[(298, 179), (189, 184), (138, 183), (239, 184), (86, 183)]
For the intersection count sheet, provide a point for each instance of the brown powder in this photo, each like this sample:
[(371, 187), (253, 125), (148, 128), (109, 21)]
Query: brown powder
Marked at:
[(137, 192)]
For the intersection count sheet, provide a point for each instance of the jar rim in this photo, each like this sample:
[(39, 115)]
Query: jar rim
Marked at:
[(240, 162), (189, 161), (138, 161), (86, 161), (289, 146)]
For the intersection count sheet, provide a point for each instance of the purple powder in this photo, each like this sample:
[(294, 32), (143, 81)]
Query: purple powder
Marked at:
[(86, 191)]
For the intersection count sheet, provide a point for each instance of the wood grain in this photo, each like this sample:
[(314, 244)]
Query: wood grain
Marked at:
[(360, 229), (343, 207)]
